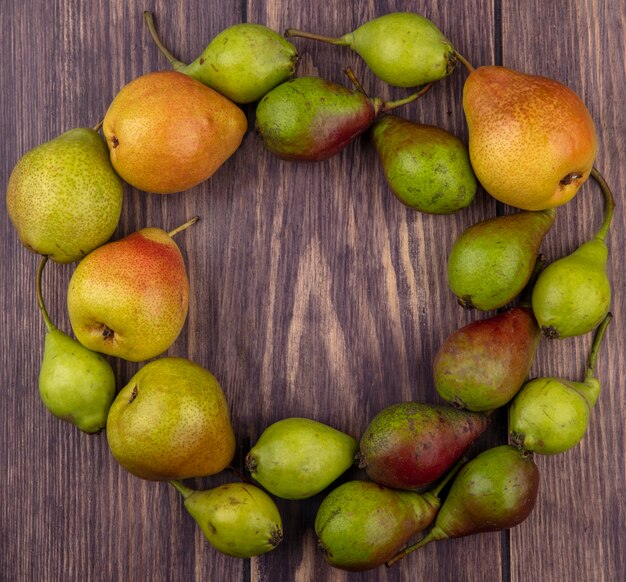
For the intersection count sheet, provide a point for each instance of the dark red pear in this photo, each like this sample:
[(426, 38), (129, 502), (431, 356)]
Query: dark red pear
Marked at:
[(484, 364), (496, 490), (410, 445)]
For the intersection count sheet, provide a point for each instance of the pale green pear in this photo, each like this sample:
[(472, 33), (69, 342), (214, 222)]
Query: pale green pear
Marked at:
[(403, 49), (64, 198), (238, 519), (243, 62), (296, 458), (75, 384)]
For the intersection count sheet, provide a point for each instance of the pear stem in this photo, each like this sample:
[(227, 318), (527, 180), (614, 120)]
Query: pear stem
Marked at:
[(434, 534), (312, 36), (609, 204), (183, 226), (597, 340), (357, 85), (49, 325), (182, 489), (389, 105), (449, 475), (98, 126), (468, 66), (148, 18)]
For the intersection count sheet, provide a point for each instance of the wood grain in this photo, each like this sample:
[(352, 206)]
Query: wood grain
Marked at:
[(313, 293)]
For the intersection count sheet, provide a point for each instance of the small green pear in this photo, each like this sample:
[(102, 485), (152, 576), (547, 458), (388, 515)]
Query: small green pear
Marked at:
[(573, 295), (403, 49), (551, 415), (64, 198), (491, 262), (75, 384), (243, 62), (171, 421), (426, 167), (238, 519), (296, 458)]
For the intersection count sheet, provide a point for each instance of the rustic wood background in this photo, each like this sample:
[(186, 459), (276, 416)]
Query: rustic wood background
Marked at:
[(313, 293)]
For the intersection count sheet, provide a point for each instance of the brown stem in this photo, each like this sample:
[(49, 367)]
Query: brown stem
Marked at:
[(148, 18), (357, 84), (98, 126), (609, 204), (184, 226), (464, 62)]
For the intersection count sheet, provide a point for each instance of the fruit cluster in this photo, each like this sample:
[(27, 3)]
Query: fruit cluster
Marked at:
[(129, 298)]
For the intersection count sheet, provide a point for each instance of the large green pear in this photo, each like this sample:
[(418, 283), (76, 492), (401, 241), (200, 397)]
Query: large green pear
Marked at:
[(296, 458), (63, 197), (129, 298), (238, 519), (75, 384), (171, 421)]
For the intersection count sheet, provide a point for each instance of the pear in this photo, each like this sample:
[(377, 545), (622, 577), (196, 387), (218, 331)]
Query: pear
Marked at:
[(129, 298), (573, 294), (360, 525), (238, 519), (491, 262), (496, 490), (551, 415), (243, 62), (426, 167), (64, 198), (311, 119), (532, 141), (75, 384), (296, 458), (403, 49), (171, 421), (410, 445), (167, 132), (483, 365)]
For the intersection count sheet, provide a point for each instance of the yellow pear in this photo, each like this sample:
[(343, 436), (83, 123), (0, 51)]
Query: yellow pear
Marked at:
[(532, 141), (129, 297), (167, 132), (171, 421)]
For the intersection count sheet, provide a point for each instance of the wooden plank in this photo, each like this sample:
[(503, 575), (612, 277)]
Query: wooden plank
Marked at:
[(577, 531), (356, 288)]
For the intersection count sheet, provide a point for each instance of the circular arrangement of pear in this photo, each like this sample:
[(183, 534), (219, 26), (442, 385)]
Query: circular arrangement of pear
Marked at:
[(171, 421), (168, 131)]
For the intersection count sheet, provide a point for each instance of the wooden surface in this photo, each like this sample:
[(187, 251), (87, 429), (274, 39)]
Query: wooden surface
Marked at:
[(313, 293)]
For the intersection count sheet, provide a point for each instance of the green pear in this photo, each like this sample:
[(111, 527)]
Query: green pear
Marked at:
[(360, 525), (427, 168), (492, 261), (551, 415), (129, 298), (573, 295), (296, 458), (171, 421), (238, 519), (403, 49), (64, 198), (243, 62), (494, 491), (75, 384)]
